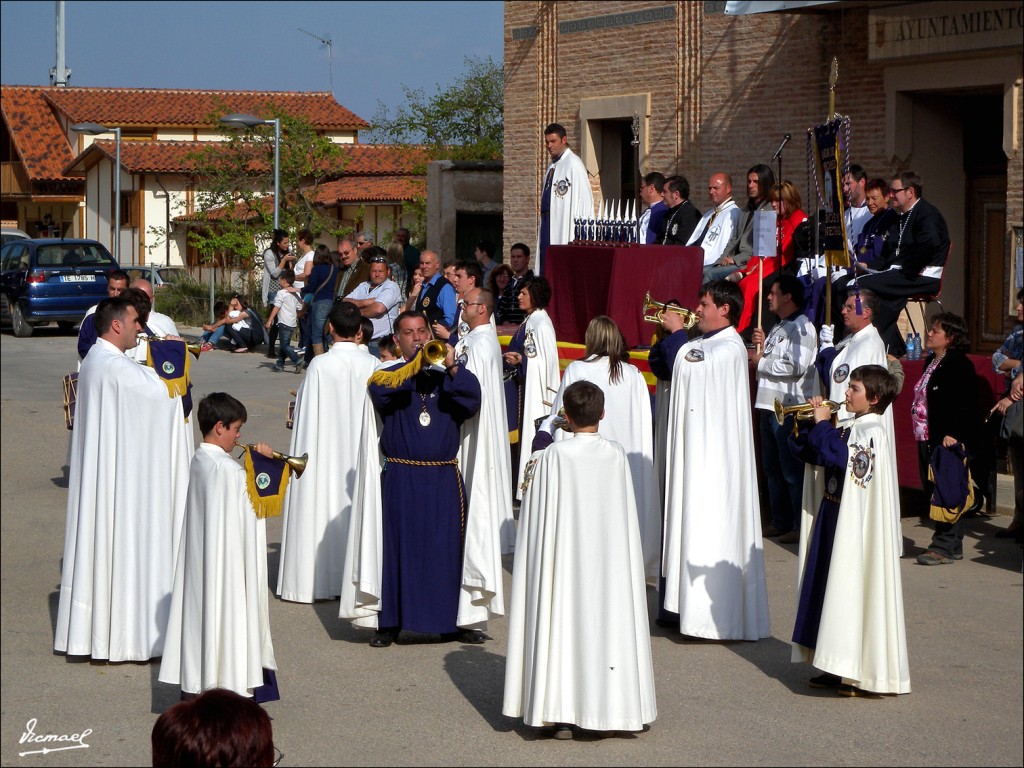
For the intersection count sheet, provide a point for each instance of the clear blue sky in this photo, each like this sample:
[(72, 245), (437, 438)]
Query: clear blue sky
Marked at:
[(377, 46)]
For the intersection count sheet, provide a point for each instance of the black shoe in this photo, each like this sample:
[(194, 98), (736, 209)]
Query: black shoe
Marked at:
[(825, 680), (382, 638), (471, 636)]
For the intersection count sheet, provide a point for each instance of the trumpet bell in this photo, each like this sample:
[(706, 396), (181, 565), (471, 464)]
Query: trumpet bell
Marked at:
[(653, 311), (435, 352), (297, 463)]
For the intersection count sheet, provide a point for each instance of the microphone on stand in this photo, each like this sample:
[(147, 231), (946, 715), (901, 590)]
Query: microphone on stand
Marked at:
[(785, 140)]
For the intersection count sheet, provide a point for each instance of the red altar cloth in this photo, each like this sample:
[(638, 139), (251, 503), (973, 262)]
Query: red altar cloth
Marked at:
[(590, 280), (990, 388)]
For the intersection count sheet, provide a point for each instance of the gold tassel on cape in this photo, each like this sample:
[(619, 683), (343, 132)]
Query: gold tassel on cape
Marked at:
[(398, 376)]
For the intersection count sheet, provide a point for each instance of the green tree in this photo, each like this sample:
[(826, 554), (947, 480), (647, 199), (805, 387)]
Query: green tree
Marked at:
[(235, 181), (462, 122)]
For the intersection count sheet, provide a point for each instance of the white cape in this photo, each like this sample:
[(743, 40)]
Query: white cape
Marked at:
[(719, 233), (219, 631), (579, 648), (126, 500), (328, 426), (577, 201), (364, 555), (540, 387), (484, 453), (713, 560), (862, 348), (629, 422), (862, 636)]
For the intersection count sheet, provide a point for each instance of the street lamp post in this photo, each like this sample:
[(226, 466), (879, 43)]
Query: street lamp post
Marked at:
[(251, 121), (94, 129)]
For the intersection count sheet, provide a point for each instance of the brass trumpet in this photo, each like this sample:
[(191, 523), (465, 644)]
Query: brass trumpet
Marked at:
[(690, 319), (297, 463), (802, 411), (435, 352), (195, 349)]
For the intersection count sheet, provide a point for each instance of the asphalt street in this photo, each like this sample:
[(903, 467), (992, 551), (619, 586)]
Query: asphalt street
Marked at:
[(431, 703)]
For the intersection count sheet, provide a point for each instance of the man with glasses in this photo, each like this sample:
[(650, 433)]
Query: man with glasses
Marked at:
[(912, 259), (354, 270), (379, 298), (363, 240), (485, 453)]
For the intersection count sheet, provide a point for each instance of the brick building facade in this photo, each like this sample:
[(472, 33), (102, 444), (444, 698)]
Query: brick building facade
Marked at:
[(931, 87)]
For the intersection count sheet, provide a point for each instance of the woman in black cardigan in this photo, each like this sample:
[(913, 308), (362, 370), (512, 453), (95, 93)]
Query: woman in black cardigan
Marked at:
[(945, 412)]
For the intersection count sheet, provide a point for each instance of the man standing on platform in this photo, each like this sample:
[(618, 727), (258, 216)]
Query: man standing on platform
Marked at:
[(682, 216), (654, 215), (407, 555), (126, 500), (715, 228), (713, 562), (566, 196)]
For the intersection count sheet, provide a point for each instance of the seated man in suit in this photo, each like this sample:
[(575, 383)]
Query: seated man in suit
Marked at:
[(912, 260)]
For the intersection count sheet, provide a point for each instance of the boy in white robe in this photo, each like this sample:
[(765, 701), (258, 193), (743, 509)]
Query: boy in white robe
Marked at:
[(850, 619), (579, 648), (219, 631)]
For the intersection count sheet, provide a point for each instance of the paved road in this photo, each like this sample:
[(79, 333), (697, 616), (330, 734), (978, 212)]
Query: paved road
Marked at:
[(430, 704)]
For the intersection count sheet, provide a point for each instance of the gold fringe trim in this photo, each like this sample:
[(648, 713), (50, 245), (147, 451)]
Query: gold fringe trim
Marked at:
[(265, 506), (175, 387), (398, 376)]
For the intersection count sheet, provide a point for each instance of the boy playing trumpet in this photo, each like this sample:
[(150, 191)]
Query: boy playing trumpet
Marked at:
[(219, 630)]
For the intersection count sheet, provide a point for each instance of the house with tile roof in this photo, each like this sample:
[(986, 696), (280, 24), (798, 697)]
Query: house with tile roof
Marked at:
[(58, 181)]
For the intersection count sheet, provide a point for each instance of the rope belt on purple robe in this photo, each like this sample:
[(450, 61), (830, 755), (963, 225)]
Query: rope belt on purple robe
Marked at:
[(451, 462)]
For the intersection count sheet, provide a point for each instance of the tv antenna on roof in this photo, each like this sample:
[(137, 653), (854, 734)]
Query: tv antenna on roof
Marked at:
[(330, 55)]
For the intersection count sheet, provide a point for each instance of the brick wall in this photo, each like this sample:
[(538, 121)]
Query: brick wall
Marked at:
[(724, 90)]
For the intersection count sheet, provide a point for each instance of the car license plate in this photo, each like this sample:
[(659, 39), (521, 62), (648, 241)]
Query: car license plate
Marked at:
[(77, 278)]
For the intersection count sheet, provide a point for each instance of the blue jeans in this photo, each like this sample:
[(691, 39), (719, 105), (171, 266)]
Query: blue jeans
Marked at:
[(783, 471), (284, 339), (213, 336), (712, 272), (318, 322)]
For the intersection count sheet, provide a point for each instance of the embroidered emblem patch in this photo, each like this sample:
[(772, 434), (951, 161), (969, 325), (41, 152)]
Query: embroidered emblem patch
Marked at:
[(841, 373), (862, 461), (562, 187), (833, 484), (694, 356), (262, 481), (426, 301), (168, 367)]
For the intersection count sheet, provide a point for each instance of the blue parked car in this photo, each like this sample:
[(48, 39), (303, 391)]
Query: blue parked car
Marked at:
[(51, 280)]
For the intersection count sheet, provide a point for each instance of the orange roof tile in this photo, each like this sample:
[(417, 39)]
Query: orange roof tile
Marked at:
[(385, 159), (191, 108), (36, 132), (370, 189), (141, 156)]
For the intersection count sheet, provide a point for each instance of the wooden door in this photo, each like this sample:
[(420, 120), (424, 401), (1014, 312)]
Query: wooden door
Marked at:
[(987, 271)]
